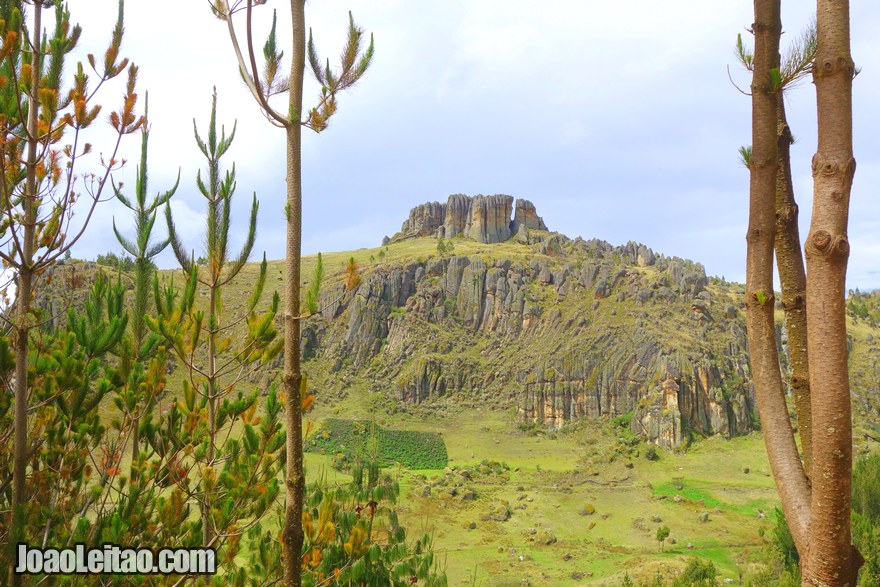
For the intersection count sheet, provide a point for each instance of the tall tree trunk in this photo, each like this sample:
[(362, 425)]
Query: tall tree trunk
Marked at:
[(24, 293), (793, 280), (830, 559), (785, 461), (292, 537), (207, 524)]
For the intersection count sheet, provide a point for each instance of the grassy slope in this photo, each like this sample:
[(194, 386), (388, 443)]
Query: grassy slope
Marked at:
[(553, 476), (552, 472)]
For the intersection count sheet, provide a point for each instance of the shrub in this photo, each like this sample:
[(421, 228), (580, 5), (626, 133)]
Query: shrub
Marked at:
[(111, 259), (866, 487), (697, 573), (651, 453)]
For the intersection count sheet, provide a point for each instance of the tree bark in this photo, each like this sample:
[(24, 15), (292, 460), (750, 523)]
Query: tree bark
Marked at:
[(784, 459), (793, 280), (292, 537), (24, 294), (830, 558)]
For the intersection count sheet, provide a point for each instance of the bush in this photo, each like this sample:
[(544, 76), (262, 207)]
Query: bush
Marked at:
[(111, 259), (866, 517), (866, 487), (651, 453), (697, 573), (783, 544)]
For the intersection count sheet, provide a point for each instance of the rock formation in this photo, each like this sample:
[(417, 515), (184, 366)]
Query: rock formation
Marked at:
[(486, 219), (580, 330)]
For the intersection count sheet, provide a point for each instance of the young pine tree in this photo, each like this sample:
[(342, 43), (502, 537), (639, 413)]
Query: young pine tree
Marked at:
[(264, 84), (218, 449), (42, 124), (142, 250)]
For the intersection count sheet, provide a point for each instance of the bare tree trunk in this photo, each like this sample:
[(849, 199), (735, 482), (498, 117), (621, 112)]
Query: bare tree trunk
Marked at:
[(292, 537), (830, 559), (24, 293), (785, 461), (793, 279)]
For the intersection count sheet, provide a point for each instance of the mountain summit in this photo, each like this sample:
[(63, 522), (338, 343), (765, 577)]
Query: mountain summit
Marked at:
[(486, 219)]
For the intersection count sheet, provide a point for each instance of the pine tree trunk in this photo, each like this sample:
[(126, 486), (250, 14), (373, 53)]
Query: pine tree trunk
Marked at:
[(141, 300), (830, 559), (782, 451), (19, 470), (207, 503), (793, 280), (23, 295), (292, 536)]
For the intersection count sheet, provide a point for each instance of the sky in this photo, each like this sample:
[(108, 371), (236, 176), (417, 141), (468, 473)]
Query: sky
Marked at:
[(619, 120)]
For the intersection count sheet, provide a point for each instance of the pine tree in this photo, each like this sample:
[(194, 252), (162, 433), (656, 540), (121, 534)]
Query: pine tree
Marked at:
[(40, 173), (143, 251), (233, 481), (264, 84)]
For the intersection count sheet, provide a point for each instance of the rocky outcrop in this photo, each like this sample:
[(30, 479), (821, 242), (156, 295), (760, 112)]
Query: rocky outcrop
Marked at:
[(583, 329), (489, 220), (424, 220), (486, 219), (526, 215)]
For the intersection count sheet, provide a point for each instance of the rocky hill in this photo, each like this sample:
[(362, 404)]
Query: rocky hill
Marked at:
[(561, 328), (510, 315)]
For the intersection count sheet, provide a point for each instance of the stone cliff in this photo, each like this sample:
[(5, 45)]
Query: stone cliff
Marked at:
[(486, 219), (562, 328)]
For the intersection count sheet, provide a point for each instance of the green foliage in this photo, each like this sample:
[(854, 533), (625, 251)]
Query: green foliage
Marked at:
[(745, 155), (866, 517), (314, 291), (441, 246), (230, 480), (74, 457), (651, 453), (697, 573), (627, 582), (866, 488), (348, 441), (744, 53), (352, 537), (865, 306), (662, 535), (761, 296), (354, 62), (783, 543), (141, 248), (218, 191), (623, 420), (121, 262)]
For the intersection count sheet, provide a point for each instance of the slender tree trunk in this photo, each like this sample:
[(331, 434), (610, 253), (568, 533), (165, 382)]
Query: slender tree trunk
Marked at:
[(24, 293), (830, 559), (793, 279), (785, 461), (207, 525), (295, 482), (142, 275)]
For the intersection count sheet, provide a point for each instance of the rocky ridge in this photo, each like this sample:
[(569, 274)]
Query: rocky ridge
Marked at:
[(563, 328)]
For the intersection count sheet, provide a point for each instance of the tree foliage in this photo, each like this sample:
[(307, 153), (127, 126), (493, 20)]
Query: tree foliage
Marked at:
[(264, 84), (230, 479), (43, 125)]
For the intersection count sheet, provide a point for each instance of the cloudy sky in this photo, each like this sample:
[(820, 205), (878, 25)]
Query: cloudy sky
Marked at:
[(617, 119)]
